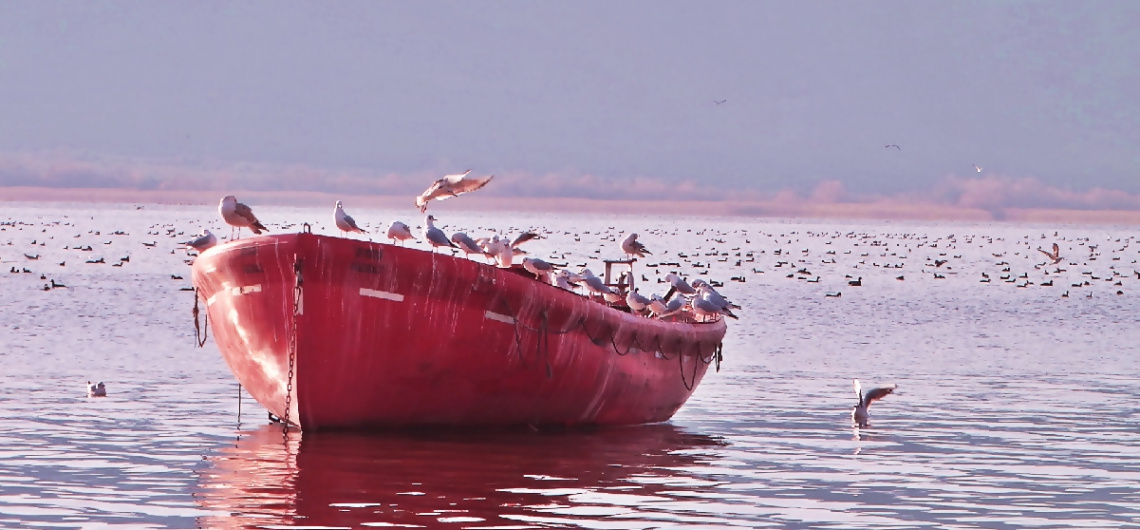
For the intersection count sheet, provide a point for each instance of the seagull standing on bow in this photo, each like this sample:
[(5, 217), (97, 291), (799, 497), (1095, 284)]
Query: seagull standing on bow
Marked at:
[(633, 248), (450, 186), (344, 221), (542, 270), (467, 245), (434, 236), (398, 231), (860, 414), (239, 216)]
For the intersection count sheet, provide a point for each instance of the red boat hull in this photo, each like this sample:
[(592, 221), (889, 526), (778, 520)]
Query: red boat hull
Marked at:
[(389, 336)]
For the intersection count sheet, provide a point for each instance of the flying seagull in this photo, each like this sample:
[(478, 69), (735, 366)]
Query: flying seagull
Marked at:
[(860, 413), (344, 221), (239, 216), (450, 186), (896, 146), (1055, 255), (719, 101), (977, 168)]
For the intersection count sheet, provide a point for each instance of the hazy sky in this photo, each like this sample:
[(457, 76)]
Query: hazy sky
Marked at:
[(814, 90)]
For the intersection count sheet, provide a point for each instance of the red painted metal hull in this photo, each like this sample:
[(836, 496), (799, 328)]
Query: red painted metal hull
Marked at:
[(390, 336)]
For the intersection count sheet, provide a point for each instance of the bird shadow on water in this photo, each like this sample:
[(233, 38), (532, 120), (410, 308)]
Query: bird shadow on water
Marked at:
[(436, 477)]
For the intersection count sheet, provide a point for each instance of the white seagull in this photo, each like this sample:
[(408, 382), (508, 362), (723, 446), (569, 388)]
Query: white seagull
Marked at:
[(202, 242), (239, 215), (450, 186), (344, 221), (860, 413), (977, 168), (398, 231), (434, 236), (539, 268), (98, 390), (466, 244), (633, 248)]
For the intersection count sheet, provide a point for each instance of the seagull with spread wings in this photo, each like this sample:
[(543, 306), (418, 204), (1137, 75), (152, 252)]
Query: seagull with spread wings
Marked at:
[(450, 186), (1055, 256), (860, 413)]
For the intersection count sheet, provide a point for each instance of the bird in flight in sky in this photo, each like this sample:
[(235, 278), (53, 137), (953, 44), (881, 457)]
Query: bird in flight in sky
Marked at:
[(977, 168), (896, 146), (719, 101)]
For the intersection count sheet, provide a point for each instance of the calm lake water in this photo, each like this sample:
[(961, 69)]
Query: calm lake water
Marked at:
[(1017, 407)]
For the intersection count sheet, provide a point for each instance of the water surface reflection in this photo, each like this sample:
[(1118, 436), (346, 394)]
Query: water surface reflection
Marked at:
[(475, 480)]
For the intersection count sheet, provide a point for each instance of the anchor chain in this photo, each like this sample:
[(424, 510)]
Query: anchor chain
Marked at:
[(297, 301), (200, 332)]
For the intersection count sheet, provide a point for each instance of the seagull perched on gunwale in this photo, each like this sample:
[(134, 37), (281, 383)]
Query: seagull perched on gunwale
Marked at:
[(398, 231), (202, 242), (860, 413), (239, 216), (450, 186), (344, 221), (434, 236), (633, 248)]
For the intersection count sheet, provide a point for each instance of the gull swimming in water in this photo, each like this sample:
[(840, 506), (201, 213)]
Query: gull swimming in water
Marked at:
[(860, 413), (450, 186), (202, 242), (239, 216), (98, 390), (344, 221), (434, 236), (633, 248), (398, 231)]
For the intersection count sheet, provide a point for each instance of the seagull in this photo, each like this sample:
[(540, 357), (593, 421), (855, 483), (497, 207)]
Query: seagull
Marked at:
[(539, 268), (239, 215), (896, 146), (466, 244), (719, 101), (398, 231), (450, 186), (345, 222), (202, 242), (523, 238), (977, 168), (98, 390), (707, 291), (1055, 255), (633, 248), (593, 283), (708, 303), (679, 285), (859, 414), (434, 236), (562, 280)]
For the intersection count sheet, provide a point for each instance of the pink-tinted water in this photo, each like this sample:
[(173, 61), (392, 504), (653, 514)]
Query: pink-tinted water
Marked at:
[(1017, 407)]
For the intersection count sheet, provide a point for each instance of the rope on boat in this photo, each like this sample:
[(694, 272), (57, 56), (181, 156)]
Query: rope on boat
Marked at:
[(298, 267), (200, 332), (607, 333)]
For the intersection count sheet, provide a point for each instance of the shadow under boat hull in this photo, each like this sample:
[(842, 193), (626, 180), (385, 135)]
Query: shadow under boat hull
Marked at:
[(380, 336)]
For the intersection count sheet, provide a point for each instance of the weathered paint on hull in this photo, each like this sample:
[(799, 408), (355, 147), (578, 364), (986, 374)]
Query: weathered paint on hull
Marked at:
[(390, 336)]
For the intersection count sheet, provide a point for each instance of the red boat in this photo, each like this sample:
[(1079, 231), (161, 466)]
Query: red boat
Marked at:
[(334, 333)]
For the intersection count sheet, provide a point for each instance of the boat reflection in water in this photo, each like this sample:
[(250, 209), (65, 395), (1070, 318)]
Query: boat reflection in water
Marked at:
[(632, 477)]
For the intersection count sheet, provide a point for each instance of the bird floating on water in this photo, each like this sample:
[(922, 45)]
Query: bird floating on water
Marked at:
[(344, 221), (239, 216), (450, 186), (860, 413), (96, 390)]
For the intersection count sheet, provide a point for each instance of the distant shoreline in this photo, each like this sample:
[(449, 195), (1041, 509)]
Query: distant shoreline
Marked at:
[(774, 208)]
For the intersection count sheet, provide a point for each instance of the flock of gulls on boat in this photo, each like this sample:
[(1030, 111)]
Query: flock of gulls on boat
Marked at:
[(699, 298)]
